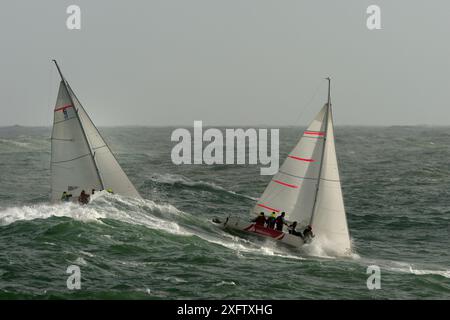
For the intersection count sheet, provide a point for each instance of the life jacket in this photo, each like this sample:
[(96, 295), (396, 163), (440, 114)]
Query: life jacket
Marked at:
[(65, 197), (271, 220)]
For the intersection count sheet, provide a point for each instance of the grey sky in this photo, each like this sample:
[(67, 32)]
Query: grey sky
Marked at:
[(227, 62)]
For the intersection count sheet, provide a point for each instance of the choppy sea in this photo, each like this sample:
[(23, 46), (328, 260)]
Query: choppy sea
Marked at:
[(396, 185)]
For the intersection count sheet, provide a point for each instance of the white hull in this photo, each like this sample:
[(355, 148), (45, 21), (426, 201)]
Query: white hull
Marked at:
[(236, 223)]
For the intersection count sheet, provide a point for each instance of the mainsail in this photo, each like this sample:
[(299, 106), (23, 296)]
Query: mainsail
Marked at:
[(293, 188), (307, 186), (81, 159)]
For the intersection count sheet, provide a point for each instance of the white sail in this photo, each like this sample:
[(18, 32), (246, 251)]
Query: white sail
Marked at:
[(72, 165), (329, 220), (307, 186), (111, 173), (81, 159), (292, 190)]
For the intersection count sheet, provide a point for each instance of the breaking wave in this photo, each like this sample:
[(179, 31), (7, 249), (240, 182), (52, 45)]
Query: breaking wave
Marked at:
[(133, 211), (161, 217), (169, 219), (22, 144), (405, 267)]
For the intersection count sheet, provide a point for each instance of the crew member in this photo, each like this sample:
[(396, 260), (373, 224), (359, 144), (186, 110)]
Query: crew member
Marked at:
[(293, 231), (66, 196), (260, 220), (83, 198), (279, 221)]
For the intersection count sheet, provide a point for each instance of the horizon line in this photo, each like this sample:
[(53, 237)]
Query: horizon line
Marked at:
[(233, 125)]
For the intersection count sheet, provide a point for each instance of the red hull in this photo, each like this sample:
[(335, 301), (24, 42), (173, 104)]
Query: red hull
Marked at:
[(254, 228)]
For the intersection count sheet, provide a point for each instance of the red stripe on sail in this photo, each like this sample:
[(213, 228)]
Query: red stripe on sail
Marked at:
[(302, 159), (286, 184), (64, 107), (268, 208), (315, 133)]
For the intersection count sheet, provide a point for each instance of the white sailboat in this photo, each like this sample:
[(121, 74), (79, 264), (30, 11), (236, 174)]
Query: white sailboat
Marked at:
[(80, 157), (307, 188)]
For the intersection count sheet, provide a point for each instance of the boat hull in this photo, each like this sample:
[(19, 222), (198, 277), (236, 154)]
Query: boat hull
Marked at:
[(236, 223)]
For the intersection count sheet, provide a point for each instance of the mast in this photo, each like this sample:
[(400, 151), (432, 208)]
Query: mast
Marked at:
[(81, 124), (323, 149)]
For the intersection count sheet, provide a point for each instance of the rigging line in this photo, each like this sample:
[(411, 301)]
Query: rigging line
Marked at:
[(103, 146), (308, 105), (330, 180), (316, 138), (324, 145), (85, 155), (56, 122), (293, 175), (50, 86)]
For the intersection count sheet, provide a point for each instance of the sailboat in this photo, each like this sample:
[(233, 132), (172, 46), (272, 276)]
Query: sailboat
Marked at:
[(307, 188), (80, 157)]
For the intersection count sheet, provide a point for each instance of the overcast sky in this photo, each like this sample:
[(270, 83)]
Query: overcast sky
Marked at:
[(227, 62)]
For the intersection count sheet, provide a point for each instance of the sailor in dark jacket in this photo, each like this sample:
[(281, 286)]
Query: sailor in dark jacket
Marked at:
[(307, 233), (83, 198), (260, 220), (279, 221), (293, 231)]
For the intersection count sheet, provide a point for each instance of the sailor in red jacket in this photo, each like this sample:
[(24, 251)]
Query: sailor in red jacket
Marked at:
[(260, 220)]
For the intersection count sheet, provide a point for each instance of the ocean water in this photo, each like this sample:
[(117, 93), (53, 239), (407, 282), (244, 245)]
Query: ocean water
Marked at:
[(396, 184)]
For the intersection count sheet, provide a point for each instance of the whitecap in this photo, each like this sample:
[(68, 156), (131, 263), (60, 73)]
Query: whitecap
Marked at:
[(225, 283)]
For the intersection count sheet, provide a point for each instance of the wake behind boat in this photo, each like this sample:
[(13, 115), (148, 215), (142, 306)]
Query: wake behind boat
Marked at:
[(81, 160), (307, 189)]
